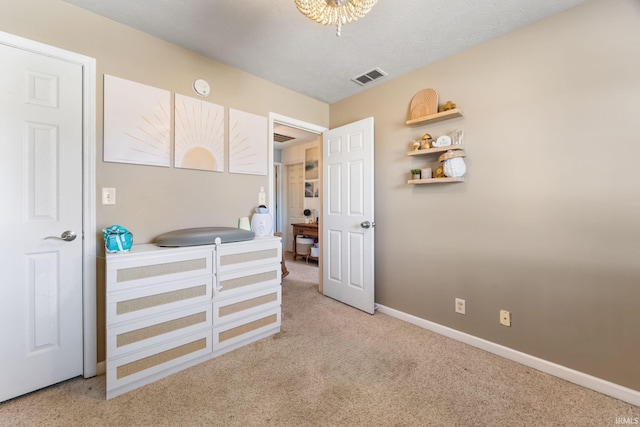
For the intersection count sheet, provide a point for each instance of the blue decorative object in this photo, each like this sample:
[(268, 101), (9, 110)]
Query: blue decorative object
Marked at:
[(117, 239)]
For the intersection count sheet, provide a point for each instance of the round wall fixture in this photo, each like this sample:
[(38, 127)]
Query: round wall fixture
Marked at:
[(201, 87)]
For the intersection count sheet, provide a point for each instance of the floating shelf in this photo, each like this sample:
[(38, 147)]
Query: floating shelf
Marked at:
[(434, 118), (435, 150), (435, 180)]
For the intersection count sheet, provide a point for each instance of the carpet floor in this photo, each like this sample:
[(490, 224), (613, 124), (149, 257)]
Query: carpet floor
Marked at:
[(332, 365)]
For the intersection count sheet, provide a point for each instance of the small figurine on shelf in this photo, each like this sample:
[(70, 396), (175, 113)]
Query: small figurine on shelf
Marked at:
[(439, 173), (426, 141), (416, 145), (448, 106)]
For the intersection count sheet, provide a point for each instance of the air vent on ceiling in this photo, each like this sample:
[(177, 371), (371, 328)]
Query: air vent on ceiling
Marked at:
[(278, 137), (369, 76)]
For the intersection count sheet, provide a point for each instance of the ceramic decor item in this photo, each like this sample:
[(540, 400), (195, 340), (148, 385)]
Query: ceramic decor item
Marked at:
[(454, 165), (442, 141)]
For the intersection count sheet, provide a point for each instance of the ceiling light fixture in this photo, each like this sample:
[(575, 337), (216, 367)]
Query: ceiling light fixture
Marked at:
[(335, 12)]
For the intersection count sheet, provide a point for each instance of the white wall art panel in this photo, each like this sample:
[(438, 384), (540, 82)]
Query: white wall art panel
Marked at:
[(248, 143), (137, 123), (199, 134)]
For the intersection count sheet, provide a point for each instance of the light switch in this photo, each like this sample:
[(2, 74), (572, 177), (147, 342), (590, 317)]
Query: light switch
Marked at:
[(108, 196)]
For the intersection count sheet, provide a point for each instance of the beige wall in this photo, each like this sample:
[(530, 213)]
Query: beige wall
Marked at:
[(547, 224), (153, 200)]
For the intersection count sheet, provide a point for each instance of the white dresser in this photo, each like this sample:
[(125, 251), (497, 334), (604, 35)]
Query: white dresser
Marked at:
[(171, 308)]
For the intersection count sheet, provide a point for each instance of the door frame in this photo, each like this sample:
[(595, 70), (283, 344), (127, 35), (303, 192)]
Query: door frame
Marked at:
[(275, 118), (277, 190), (89, 309)]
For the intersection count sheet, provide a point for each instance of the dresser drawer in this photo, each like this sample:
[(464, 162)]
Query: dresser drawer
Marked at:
[(231, 309), (249, 280), (243, 255), (146, 366), (130, 270), (152, 300), (241, 332), (154, 330)]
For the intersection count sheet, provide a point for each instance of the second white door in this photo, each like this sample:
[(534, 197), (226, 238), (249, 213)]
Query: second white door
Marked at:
[(348, 214), (41, 188)]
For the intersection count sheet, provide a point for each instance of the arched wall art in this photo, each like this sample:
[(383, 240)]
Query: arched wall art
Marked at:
[(199, 134)]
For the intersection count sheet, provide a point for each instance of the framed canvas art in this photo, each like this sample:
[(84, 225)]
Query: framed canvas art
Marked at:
[(247, 143), (199, 134), (137, 123)]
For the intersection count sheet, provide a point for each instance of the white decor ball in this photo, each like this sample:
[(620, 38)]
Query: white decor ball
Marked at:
[(455, 167)]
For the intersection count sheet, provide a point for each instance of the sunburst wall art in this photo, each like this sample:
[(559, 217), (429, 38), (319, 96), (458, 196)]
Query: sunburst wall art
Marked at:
[(137, 123), (247, 143), (199, 134)]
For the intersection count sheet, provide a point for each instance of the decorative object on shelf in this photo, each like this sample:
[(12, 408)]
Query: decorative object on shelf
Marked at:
[(425, 173), (415, 173), (439, 173), (335, 12), (442, 141), (416, 144), (427, 140), (423, 104), (457, 137), (453, 165), (448, 106)]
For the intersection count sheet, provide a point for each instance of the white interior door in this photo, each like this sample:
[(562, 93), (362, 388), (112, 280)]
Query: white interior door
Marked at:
[(348, 214), (41, 314), (295, 201)]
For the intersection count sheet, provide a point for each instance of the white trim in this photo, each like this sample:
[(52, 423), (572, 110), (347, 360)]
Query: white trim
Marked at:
[(576, 377), (287, 121), (90, 351), (277, 220)]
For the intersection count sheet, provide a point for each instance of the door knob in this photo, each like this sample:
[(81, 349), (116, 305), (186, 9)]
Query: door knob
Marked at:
[(367, 224), (67, 236)]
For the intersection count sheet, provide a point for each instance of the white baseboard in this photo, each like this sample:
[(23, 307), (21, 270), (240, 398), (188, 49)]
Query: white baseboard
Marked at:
[(101, 368), (576, 377)]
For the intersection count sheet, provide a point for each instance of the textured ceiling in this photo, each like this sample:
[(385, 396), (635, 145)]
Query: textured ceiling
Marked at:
[(272, 40)]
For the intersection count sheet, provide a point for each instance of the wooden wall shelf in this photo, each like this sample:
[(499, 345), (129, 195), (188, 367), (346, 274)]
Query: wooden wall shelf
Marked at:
[(434, 118), (435, 180), (435, 150)]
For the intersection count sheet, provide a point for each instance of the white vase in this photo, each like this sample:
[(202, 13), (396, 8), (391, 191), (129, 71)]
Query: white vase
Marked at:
[(455, 167)]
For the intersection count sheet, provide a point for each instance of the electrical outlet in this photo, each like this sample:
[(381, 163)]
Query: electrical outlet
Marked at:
[(108, 196), (460, 306), (505, 318), (262, 197)]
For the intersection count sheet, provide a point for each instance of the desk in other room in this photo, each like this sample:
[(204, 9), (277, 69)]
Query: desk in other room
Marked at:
[(310, 230)]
